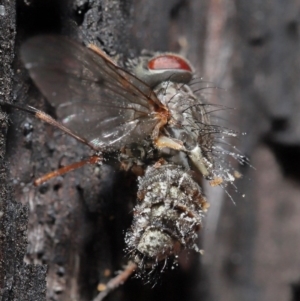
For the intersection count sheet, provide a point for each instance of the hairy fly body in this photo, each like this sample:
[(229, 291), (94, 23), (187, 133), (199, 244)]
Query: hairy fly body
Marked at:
[(150, 115)]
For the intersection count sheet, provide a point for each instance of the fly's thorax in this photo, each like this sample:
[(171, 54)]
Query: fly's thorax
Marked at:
[(189, 123), (167, 217), (178, 98)]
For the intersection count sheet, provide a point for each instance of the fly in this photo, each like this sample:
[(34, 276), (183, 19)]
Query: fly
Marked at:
[(151, 117)]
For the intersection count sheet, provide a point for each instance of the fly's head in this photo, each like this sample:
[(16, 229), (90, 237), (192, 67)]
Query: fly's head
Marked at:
[(155, 68)]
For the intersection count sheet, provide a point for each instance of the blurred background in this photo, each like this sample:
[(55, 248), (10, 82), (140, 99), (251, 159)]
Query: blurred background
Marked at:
[(75, 234)]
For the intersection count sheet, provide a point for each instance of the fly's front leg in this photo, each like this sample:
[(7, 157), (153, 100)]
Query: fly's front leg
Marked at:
[(164, 141), (195, 155)]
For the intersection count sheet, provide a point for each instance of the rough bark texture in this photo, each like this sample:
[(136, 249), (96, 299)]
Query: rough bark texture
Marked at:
[(18, 280), (77, 223)]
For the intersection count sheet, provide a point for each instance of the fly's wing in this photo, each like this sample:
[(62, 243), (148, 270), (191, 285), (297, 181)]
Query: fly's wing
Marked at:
[(93, 97)]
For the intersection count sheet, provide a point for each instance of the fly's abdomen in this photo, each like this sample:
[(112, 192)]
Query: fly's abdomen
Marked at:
[(167, 217)]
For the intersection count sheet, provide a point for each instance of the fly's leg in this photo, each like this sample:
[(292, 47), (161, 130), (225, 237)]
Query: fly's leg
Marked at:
[(116, 281), (48, 119), (164, 141), (61, 171)]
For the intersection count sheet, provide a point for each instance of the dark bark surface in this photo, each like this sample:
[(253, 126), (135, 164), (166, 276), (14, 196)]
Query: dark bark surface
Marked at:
[(18, 280), (76, 226)]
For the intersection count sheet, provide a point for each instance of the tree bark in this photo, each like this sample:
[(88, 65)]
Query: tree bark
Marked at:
[(18, 280)]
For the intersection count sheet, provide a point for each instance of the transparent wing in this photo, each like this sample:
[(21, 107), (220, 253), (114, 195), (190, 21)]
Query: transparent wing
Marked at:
[(93, 97)]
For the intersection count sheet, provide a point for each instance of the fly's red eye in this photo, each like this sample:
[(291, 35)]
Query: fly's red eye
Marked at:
[(169, 61)]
